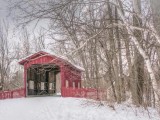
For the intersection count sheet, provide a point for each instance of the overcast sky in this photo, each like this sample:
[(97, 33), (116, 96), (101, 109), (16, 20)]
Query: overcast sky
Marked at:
[(4, 15), (3, 9)]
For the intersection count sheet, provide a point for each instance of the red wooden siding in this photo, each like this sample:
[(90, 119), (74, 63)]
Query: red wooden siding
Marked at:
[(84, 93), (12, 94), (66, 92), (68, 72), (72, 76)]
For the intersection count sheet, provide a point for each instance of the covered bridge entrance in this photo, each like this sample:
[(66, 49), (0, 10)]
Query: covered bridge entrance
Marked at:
[(46, 74), (43, 79)]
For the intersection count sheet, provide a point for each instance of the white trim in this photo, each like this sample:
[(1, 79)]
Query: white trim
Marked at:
[(54, 54)]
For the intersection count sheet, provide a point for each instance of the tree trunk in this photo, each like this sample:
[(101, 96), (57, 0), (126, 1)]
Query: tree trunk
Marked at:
[(139, 61), (142, 52), (114, 56)]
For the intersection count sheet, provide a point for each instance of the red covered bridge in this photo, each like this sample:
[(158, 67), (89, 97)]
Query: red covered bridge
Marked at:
[(48, 74)]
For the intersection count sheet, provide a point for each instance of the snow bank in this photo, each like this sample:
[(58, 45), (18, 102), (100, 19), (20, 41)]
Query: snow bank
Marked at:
[(58, 108)]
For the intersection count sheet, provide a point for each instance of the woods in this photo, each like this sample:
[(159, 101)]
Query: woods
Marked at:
[(116, 42)]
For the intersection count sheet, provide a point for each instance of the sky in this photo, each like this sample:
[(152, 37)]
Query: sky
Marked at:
[(3, 9), (4, 16), (14, 32)]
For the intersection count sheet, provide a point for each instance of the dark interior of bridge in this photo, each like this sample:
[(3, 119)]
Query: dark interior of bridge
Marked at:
[(42, 80)]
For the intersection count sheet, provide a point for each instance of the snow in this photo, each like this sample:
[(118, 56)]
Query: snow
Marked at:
[(14, 66), (54, 54), (58, 108), (58, 93), (62, 57)]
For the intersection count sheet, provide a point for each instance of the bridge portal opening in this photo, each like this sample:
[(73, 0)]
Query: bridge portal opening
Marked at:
[(43, 79)]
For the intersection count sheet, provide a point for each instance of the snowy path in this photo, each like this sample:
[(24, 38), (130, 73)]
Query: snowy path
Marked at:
[(57, 108)]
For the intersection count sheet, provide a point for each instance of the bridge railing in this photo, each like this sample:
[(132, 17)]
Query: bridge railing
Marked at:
[(17, 93), (65, 92), (84, 93)]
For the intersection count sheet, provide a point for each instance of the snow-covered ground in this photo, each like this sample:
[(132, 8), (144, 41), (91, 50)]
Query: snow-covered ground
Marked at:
[(57, 108)]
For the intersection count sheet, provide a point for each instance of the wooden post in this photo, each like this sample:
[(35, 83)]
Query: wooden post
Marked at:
[(62, 80), (25, 80)]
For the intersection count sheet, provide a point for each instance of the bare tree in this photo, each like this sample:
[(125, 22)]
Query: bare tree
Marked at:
[(113, 40), (5, 57)]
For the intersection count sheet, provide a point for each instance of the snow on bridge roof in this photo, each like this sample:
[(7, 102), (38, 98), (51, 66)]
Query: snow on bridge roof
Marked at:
[(45, 52)]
